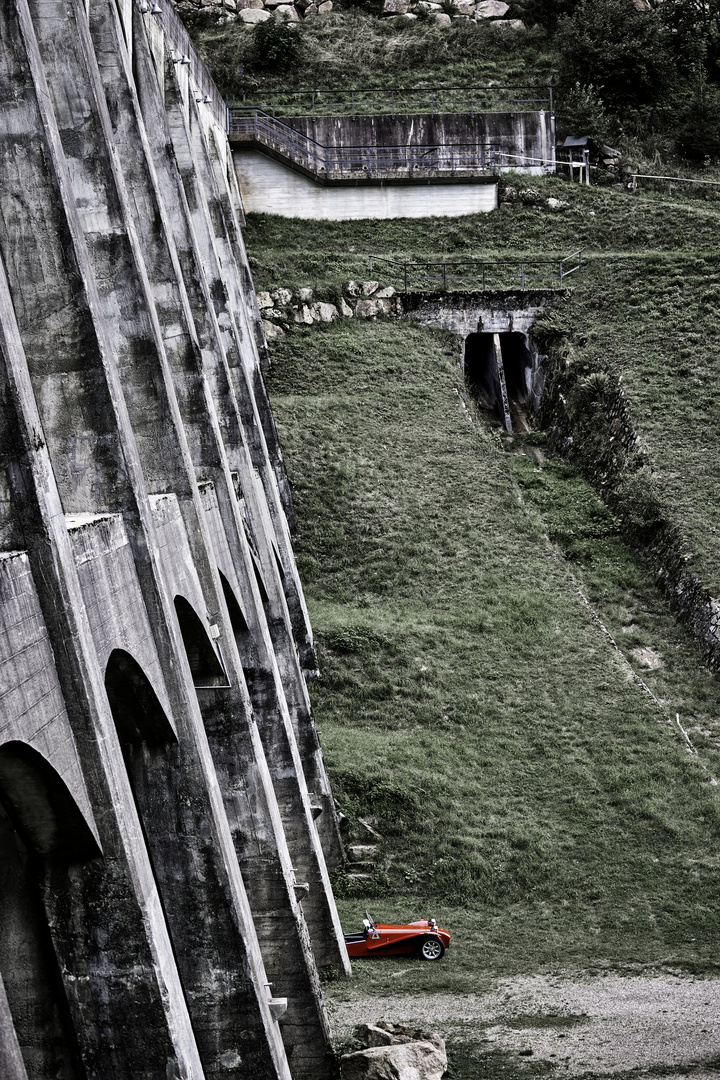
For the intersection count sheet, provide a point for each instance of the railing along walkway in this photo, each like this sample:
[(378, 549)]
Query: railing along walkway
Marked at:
[(254, 125), (453, 99), (529, 272)]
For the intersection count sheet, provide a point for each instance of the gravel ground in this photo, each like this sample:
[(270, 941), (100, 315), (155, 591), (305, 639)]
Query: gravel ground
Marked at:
[(660, 1025)]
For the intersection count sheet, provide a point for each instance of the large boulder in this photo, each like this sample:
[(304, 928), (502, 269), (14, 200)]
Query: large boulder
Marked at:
[(441, 18), (396, 7), (491, 9), (286, 11), (324, 312), (254, 15), (407, 1061)]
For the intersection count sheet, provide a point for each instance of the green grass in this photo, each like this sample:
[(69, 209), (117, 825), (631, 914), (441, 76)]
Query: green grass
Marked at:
[(355, 49), (530, 795), (468, 702)]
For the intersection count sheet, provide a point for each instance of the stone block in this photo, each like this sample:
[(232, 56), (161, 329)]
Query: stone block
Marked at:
[(305, 294), (230, 5), (304, 316), (264, 300), (310, 10), (464, 7), (441, 18), (367, 309), (385, 293), (511, 24), (283, 297), (409, 1061), (492, 9), (271, 330), (325, 8), (324, 312), (358, 852), (254, 15), (367, 288), (353, 288), (395, 7), (345, 310), (286, 11)]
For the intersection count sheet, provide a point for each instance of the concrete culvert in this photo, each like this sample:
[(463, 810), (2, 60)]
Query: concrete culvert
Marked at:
[(498, 371)]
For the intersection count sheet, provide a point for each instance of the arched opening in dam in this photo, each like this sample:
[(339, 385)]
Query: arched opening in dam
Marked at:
[(42, 832)]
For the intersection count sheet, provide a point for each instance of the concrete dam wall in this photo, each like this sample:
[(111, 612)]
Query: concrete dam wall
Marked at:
[(166, 823)]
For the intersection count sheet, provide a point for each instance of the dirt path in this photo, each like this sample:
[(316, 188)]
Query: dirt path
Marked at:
[(658, 1025)]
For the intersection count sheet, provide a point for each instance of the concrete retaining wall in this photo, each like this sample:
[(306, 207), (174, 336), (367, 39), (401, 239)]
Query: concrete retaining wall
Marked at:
[(269, 187), (154, 820)]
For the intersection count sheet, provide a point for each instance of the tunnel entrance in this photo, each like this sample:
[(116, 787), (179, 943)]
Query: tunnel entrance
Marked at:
[(498, 371)]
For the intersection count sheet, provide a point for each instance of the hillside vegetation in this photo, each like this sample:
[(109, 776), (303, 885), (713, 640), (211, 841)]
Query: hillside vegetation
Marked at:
[(530, 794)]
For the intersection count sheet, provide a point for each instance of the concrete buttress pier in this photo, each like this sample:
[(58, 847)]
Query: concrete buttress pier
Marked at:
[(166, 821)]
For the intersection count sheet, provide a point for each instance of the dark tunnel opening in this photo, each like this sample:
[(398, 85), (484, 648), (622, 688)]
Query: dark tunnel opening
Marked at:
[(498, 369)]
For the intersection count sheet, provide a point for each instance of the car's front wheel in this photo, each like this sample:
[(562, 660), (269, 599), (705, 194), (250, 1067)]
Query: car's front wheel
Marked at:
[(431, 948)]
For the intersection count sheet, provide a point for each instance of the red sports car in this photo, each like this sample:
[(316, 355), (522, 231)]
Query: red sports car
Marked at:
[(383, 939)]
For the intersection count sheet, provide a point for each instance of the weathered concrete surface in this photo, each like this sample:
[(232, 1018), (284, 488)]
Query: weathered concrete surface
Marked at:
[(150, 820), (269, 187), (525, 139)]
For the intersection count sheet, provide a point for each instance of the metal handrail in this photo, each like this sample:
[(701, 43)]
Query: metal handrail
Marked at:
[(472, 100), (258, 126), (534, 271)]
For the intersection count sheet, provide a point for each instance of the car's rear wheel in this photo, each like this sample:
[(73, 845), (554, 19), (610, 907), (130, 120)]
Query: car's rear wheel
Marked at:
[(431, 948)]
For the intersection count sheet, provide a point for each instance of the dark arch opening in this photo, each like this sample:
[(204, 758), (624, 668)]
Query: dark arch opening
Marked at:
[(138, 715), (41, 830), (237, 619), (259, 578), (482, 374), (40, 806), (205, 667)]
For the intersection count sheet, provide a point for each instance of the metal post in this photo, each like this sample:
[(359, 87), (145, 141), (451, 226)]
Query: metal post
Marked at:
[(273, 104), (432, 103), (522, 276), (352, 95), (444, 277), (393, 103), (405, 277), (313, 104), (471, 103), (511, 102), (551, 101), (483, 277)]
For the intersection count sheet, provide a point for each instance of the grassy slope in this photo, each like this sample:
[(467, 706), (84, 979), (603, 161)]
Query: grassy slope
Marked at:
[(355, 49), (646, 305), (468, 701)]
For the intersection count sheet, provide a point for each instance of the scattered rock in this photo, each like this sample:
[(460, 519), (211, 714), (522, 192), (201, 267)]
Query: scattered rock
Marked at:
[(254, 15), (511, 24), (642, 5), (556, 204), (410, 1061), (353, 289), (305, 294), (325, 7), (304, 316), (345, 309), (286, 11), (367, 309), (647, 658), (441, 18), (491, 9), (396, 7), (384, 294), (324, 312), (311, 9), (264, 300), (464, 7), (409, 16), (271, 330), (283, 297), (371, 825), (367, 288)]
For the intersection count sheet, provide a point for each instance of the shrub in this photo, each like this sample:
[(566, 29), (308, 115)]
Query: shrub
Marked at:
[(277, 46)]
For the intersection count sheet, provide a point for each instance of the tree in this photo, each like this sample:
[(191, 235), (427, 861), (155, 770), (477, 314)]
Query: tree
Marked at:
[(620, 51)]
